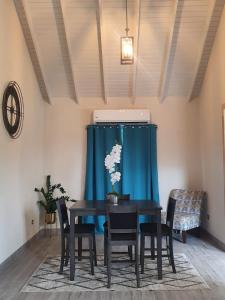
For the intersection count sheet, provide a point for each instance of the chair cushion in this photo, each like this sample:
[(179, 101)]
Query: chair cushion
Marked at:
[(151, 228), (81, 228), (183, 221)]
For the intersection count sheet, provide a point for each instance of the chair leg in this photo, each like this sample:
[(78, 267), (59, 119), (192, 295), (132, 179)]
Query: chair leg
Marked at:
[(94, 249), (137, 265), (105, 249), (198, 232), (142, 252), (183, 236), (130, 252), (171, 253), (67, 252), (62, 254), (90, 241), (152, 247), (109, 253), (168, 249)]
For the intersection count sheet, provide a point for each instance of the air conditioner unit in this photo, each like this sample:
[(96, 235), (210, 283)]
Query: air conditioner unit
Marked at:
[(121, 116)]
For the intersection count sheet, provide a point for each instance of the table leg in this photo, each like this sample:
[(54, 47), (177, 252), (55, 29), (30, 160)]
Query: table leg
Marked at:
[(159, 245), (72, 245), (79, 241)]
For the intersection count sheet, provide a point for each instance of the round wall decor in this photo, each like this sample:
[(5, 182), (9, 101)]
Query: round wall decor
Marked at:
[(12, 109)]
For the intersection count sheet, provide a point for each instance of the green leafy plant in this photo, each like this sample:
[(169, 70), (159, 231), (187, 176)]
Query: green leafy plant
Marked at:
[(48, 201)]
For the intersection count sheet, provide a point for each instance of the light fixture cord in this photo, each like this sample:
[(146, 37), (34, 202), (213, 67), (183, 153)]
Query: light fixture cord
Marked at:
[(127, 29)]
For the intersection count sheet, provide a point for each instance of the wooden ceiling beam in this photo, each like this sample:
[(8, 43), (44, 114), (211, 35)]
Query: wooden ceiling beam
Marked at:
[(64, 39), (171, 48), (212, 23), (100, 48), (32, 45)]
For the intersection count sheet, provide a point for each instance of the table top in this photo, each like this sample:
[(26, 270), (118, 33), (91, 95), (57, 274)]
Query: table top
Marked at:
[(100, 206)]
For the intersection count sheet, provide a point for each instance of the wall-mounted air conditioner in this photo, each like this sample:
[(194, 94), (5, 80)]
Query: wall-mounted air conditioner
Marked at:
[(121, 115)]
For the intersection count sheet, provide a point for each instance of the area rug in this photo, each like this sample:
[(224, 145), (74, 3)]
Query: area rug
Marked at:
[(47, 278)]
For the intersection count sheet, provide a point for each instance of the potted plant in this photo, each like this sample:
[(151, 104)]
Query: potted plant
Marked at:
[(111, 161), (48, 201)]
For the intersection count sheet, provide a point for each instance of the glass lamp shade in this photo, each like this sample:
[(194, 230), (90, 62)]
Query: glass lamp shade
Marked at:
[(127, 50)]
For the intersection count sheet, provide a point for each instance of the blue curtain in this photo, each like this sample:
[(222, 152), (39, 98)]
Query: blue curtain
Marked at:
[(139, 175)]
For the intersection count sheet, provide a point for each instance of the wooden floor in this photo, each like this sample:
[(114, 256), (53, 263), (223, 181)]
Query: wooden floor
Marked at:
[(208, 260)]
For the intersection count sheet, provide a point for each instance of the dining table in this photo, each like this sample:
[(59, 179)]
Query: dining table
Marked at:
[(99, 208)]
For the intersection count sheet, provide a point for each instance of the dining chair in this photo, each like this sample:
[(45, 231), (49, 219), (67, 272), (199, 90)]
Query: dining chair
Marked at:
[(150, 229), (81, 231), (122, 197), (122, 230)]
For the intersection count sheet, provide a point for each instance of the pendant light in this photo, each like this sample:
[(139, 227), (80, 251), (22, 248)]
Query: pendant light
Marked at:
[(127, 46)]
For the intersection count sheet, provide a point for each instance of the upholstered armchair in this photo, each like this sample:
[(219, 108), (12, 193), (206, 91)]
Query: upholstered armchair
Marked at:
[(188, 210)]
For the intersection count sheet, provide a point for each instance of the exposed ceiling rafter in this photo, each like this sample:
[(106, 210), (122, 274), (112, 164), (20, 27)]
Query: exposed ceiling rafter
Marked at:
[(61, 42), (32, 46), (65, 46), (100, 48), (136, 45), (212, 23), (171, 48)]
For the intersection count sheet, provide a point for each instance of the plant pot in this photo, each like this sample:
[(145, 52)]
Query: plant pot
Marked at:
[(112, 198), (50, 218)]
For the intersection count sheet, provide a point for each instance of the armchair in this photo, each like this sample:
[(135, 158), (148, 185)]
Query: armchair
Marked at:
[(188, 210)]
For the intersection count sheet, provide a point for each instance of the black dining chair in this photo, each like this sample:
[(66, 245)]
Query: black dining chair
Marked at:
[(122, 231), (122, 197), (150, 229), (81, 231)]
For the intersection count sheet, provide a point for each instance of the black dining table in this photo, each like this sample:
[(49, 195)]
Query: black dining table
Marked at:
[(99, 207)]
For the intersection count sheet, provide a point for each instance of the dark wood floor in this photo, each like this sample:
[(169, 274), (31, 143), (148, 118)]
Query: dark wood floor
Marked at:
[(208, 260)]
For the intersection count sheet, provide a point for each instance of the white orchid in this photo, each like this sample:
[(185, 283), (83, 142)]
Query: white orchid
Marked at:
[(112, 170), (110, 163), (115, 177)]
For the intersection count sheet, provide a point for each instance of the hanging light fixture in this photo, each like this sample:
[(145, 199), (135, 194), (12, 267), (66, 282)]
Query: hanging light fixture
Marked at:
[(127, 46)]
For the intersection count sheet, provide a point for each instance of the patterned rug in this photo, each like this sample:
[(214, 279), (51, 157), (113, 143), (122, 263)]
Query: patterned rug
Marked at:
[(47, 278)]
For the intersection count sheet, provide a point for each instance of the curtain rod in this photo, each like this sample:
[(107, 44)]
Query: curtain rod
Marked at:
[(122, 124)]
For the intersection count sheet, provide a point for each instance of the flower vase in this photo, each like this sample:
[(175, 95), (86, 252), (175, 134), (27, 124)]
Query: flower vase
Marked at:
[(50, 218), (112, 198)]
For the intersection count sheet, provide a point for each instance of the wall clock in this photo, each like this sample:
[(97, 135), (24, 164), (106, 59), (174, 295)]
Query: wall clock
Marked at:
[(12, 109)]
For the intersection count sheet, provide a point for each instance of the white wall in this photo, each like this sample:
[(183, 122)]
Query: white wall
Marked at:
[(178, 142), (211, 99), (21, 160)]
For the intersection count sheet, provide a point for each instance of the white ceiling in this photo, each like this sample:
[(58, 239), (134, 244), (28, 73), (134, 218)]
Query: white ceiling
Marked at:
[(75, 46)]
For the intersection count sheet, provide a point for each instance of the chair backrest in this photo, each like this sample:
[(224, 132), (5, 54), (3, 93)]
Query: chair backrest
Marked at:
[(188, 201), (124, 197), (63, 215), (170, 212), (122, 219)]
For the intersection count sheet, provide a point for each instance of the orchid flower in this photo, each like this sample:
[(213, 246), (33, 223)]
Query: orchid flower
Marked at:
[(110, 163)]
